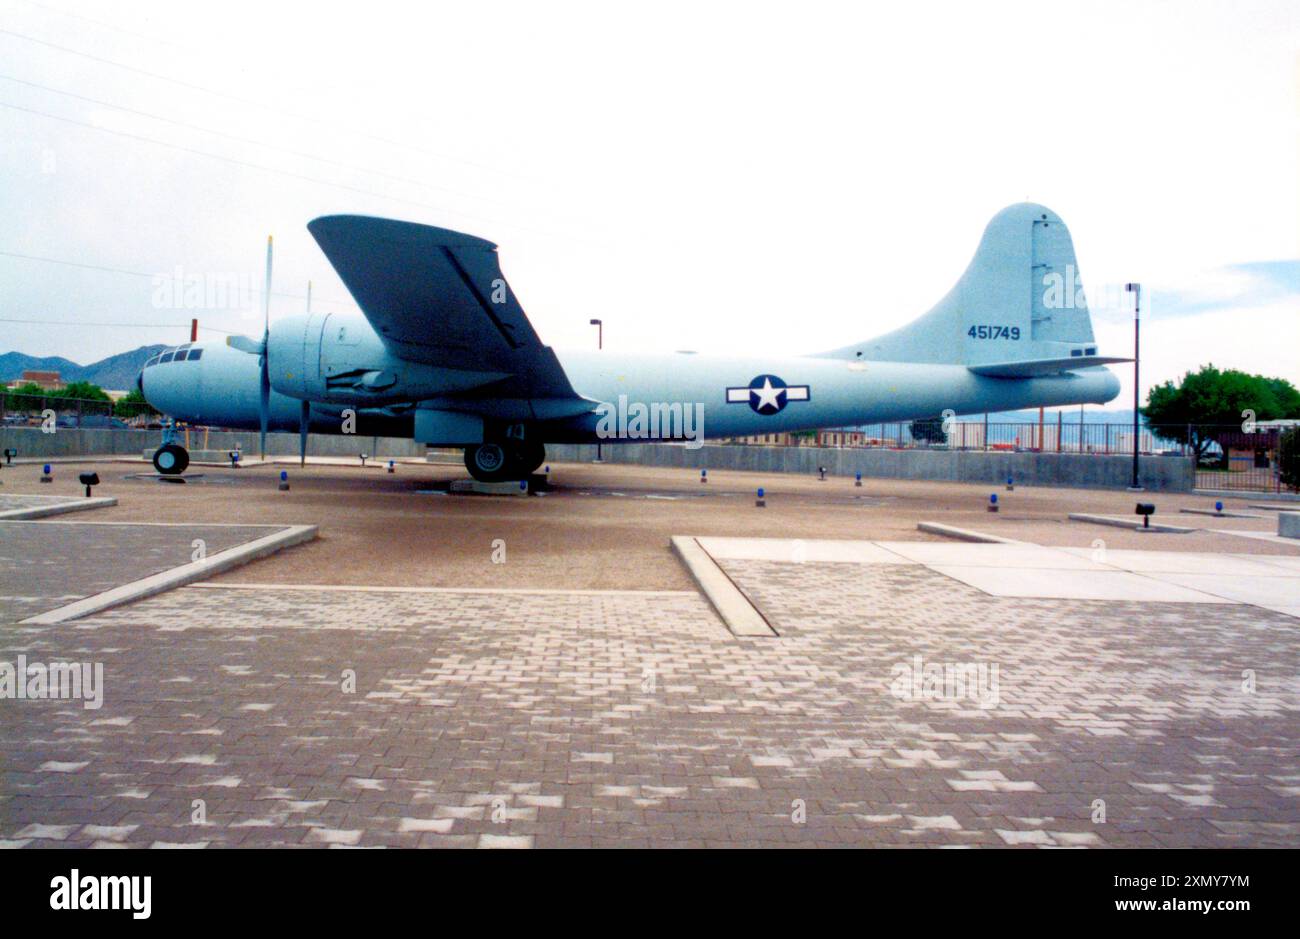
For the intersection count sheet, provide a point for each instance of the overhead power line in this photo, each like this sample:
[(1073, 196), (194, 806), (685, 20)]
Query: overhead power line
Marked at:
[(248, 140), (224, 332), (252, 102), (248, 164), (122, 270)]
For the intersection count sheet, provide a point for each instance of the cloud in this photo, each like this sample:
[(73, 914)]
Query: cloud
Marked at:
[(1239, 286)]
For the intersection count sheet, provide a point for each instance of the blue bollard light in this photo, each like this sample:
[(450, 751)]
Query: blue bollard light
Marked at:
[(45, 474), (993, 502), (284, 481), (857, 479), (1010, 484), (1218, 506), (761, 501), (704, 476)]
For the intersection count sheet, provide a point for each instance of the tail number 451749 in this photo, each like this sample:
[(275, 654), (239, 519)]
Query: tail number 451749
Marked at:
[(994, 332)]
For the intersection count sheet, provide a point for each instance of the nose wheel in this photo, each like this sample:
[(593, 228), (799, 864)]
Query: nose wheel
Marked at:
[(171, 459)]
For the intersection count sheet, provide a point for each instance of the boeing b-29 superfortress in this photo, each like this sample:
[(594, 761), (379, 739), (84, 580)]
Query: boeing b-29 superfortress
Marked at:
[(443, 353)]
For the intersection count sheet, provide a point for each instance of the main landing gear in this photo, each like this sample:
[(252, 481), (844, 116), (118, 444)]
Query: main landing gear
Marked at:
[(500, 461)]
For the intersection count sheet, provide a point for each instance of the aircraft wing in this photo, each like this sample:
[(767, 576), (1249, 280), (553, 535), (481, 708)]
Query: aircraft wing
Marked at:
[(438, 297), (1034, 368)]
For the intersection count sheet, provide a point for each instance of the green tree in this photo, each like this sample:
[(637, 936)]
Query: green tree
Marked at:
[(1209, 404), (133, 404), (1288, 458), (80, 391)]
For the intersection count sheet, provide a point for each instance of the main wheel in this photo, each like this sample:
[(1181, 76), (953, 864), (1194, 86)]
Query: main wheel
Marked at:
[(171, 459), (489, 462), (528, 455)]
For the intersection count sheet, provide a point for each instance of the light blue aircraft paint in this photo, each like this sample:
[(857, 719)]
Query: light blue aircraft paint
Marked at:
[(445, 354)]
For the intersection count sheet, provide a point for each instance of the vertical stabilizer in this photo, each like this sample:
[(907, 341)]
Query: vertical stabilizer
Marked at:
[(1020, 299)]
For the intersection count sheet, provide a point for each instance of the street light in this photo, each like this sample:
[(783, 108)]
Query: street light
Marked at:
[(1136, 290), (600, 344)]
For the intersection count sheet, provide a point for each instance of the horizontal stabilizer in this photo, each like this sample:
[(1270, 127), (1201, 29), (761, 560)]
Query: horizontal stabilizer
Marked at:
[(1036, 368)]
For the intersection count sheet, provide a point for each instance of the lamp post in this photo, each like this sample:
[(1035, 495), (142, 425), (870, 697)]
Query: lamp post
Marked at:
[(1136, 290), (600, 344)]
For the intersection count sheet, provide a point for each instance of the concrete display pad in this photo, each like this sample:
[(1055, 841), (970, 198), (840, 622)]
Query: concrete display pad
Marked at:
[(798, 550), (1073, 584)]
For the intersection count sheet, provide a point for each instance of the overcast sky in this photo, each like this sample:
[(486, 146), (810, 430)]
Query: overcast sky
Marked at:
[(721, 177)]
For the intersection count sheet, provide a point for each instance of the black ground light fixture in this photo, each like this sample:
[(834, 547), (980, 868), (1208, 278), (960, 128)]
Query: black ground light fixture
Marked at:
[(1146, 510), (88, 480)]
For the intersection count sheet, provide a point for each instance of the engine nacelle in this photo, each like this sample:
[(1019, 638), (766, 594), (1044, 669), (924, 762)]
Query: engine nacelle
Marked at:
[(341, 359)]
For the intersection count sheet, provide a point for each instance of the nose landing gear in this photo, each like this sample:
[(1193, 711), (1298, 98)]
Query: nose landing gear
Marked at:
[(171, 458)]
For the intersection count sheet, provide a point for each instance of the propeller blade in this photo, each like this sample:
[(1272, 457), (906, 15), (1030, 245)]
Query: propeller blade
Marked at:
[(264, 409), (246, 344), (304, 423)]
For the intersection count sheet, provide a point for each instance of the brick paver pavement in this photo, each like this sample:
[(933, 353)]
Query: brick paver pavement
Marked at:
[(49, 564), (558, 719)]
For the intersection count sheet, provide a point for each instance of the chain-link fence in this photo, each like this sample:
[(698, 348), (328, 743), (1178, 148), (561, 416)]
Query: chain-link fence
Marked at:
[(45, 410)]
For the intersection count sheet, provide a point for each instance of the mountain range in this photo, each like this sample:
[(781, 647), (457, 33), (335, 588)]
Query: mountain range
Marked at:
[(115, 373)]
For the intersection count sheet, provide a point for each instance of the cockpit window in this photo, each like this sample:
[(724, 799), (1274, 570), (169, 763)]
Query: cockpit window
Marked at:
[(196, 354), (166, 357), (182, 355), (152, 361)]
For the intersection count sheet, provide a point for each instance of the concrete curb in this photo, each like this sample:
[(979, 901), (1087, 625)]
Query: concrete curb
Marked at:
[(177, 576), (1288, 524), (1246, 494), (964, 534), (1127, 523), (733, 606), (1213, 514), (57, 508)]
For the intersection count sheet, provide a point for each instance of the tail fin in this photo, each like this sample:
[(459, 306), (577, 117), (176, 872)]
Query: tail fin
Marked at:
[(1020, 303)]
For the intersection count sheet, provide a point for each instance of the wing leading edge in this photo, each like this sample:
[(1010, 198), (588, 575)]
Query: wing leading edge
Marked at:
[(438, 297)]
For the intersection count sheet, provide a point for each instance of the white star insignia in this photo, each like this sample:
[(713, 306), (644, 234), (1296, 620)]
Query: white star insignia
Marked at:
[(767, 394)]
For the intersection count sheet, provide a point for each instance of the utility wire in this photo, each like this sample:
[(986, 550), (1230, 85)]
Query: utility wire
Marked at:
[(248, 140), (256, 166), (120, 270), (224, 332), (252, 102)]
